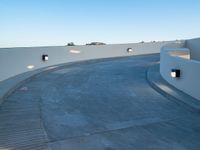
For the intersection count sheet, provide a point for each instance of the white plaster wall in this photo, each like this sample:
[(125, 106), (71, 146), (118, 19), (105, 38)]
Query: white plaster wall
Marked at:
[(14, 61), (189, 81), (194, 46)]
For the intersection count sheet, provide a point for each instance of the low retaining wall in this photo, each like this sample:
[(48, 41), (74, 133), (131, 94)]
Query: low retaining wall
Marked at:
[(194, 46), (14, 61), (174, 56)]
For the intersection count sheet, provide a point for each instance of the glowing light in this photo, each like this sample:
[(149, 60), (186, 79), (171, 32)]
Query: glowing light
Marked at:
[(173, 74), (75, 51), (30, 67), (129, 50)]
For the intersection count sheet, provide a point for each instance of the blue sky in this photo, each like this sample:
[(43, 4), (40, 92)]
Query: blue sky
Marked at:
[(57, 22)]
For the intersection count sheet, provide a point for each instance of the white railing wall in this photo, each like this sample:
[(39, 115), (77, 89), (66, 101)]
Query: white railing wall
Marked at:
[(14, 61), (177, 56)]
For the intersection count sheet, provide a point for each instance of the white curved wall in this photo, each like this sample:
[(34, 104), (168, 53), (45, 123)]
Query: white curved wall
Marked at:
[(14, 61), (194, 46), (171, 59)]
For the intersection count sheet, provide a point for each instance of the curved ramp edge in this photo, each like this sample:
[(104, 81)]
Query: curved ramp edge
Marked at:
[(10, 85), (163, 87)]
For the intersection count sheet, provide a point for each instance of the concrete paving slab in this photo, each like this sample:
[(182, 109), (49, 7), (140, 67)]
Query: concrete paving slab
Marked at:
[(104, 104)]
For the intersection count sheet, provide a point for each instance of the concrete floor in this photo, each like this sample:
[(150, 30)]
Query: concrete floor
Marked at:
[(104, 105)]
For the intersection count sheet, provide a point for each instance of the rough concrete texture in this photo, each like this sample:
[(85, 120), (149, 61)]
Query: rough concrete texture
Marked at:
[(104, 105), (158, 83)]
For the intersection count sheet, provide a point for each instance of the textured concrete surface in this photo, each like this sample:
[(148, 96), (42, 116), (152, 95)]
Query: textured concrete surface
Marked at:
[(158, 83), (9, 85), (104, 105)]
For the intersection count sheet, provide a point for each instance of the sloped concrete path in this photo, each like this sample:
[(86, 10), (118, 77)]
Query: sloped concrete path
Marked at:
[(103, 105)]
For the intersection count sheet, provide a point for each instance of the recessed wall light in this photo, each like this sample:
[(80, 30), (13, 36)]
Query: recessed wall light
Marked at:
[(129, 50), (30, 67), (75, 51), (175, 73), (45, 57)]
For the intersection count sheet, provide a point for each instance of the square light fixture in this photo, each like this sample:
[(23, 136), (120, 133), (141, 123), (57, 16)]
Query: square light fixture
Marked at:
[(129, 50), (45, 57), (175, 73)]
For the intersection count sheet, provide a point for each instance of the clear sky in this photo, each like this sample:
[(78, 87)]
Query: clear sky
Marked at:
[(57, 22)]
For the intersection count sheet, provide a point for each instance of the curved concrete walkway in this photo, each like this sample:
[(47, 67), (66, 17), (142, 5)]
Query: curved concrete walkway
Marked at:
[(103, 105)]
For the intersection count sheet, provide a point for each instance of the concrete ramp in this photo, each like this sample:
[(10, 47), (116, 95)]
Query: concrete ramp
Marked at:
[(103, 105)]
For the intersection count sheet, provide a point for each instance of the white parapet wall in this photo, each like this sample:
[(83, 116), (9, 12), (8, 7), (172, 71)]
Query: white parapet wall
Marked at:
[(181, 56), (194, 46), (14, 61)]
